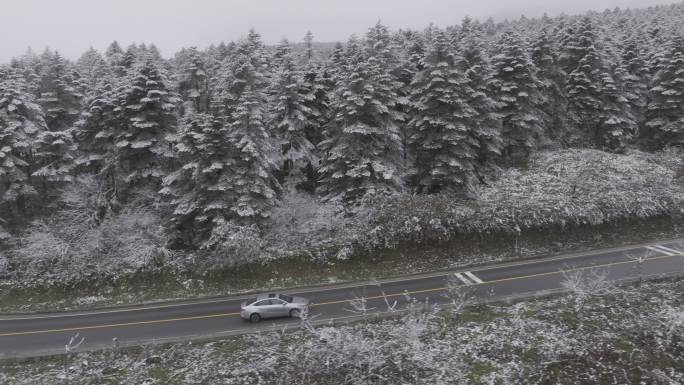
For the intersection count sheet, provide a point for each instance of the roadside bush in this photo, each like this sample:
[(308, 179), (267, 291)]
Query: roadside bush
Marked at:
[(74, 244), (569, 187), (232, 244)]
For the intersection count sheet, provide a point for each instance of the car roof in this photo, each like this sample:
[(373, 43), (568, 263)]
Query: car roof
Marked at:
[(267, 296)]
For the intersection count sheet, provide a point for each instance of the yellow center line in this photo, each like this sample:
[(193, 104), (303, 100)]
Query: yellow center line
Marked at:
[(120, 324), (105, 326)]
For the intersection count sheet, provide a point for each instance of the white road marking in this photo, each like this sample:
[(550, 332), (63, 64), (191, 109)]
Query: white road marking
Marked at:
[(669, 249), (473, 277), (463, 279), (656, 249)]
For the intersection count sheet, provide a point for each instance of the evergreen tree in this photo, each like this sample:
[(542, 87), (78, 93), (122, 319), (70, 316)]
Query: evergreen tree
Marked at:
[(445, 155), (148, 116), (194, 83), (57, 94), (93, 68), (201, 190), (114, 54), (617, 126), (635, 78), (486, 127), (253, 185), (552, 78), (316, 87), (308, 47), (665, 114), (115, 58), (518, 91), (364, 149), (130, 57), (337, 63), (585, 100), (21, 122), (293, 118)]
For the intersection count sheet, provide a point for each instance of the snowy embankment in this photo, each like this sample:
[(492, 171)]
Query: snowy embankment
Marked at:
[(565, 189), (620, 335)]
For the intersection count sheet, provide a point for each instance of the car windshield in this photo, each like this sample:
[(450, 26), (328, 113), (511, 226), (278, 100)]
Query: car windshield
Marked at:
[(286, 298)]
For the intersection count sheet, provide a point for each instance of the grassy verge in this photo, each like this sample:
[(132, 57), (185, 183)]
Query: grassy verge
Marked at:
[(464, 250)]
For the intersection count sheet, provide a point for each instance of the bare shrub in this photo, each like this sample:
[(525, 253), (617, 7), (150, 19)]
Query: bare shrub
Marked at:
[(233, 244)]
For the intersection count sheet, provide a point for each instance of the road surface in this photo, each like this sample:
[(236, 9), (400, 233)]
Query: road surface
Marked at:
[(35, 335)]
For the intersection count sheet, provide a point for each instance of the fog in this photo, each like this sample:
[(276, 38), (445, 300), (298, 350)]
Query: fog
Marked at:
[(71, 26)]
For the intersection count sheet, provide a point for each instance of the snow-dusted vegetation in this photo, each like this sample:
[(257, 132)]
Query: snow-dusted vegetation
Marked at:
[(559, 189), (618, 335), (567, 188), (127, 162)]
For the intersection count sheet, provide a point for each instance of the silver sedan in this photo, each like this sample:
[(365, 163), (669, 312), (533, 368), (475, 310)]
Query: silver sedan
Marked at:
[(273, 305)]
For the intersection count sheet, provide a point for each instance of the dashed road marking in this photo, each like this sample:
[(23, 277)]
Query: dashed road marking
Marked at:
[(669, 249), (468, 278), (473, 277), (463, 278), (658, 248)]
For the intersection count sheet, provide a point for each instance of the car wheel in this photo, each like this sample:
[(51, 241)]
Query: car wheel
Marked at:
[(255, 317), (295, 313)]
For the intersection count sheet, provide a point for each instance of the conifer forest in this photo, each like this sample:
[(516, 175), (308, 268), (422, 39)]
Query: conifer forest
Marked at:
[(484, 201), (214, 142)]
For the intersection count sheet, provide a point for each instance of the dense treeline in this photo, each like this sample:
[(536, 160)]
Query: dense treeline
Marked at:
[(215, 137)]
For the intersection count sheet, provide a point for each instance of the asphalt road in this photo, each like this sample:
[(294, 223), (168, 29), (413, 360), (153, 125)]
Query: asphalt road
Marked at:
[(34, 335)]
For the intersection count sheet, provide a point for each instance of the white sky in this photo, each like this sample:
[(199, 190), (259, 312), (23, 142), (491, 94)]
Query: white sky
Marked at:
[(71, 26)]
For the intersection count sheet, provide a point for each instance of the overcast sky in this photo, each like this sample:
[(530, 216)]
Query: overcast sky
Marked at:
[(71, 26)]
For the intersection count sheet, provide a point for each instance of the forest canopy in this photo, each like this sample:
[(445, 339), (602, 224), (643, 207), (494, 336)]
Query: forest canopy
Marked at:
[(213, 138)]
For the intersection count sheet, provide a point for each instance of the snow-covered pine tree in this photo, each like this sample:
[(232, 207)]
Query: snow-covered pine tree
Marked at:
[(115, 58), (336, 64), (517, 90), (95, 132), (93, 68), (114, 54), (148, 115), (28, 66), (364, 148), (57, 93), (293, 117), (552, 78), (585, 100), (571, 52), (486, 127), (253, 182), (378, 44), (153, 53), (635, 78), (308, 47), (617, 126), (21, 122), (440, 138), (193, 85), (665, 113), (130, 57), (317, 85), (337, 56), (201, 190)]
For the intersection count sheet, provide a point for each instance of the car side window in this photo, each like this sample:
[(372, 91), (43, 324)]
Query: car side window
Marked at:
[(263, 303), (277, 302)]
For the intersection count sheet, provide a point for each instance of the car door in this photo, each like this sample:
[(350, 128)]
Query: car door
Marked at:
[(263, 307), (279, 308)]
